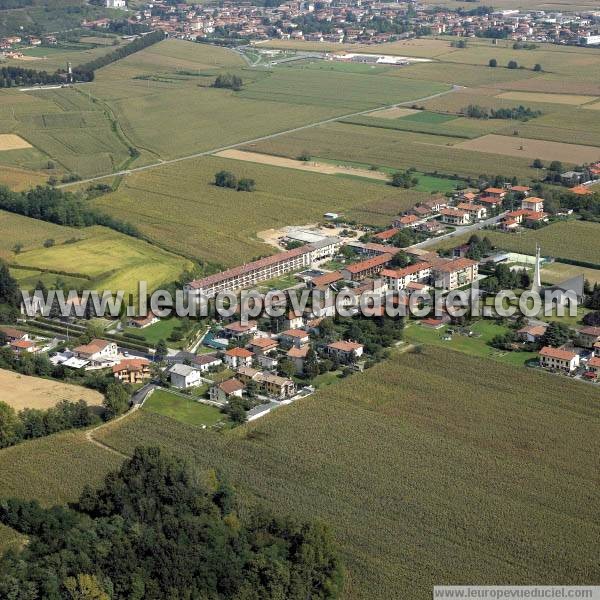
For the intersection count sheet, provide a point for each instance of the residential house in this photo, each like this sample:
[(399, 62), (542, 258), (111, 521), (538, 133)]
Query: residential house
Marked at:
[(238, 357), (298, 357), (533, 204), (143, 322), (454, 216), (205, 362), (491, 202), (184, 376), (293, 320), (521, 189), (587, 337), (532, 333), (345, 351), (366, 268), (276, 386), (406, 221), (593, 366), (388, 234), (224, 391), (476, 211), (324, 280), (455, 273), (294, 337), (14, 335), (132, 370), (498, 193), (263, 345), (558, 358), (430, 227), (98, 353), (239, 329), (24, 347)]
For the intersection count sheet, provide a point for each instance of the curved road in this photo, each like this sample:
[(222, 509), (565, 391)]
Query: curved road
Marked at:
[(253, 141)]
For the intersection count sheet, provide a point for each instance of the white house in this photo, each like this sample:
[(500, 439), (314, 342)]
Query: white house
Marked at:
[(345, 350), (98, 353), (224, 391), (558, 358), (238, 357), (204, 362), (184, 376)]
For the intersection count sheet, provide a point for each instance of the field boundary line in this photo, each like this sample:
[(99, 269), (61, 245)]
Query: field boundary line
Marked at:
[(172, 161)]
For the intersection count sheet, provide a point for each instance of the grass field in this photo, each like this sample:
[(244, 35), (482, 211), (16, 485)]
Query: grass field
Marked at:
[(179, 205), (159, 331), (31, 233), (21, 391), (518, 146), (396, 149), (424, 479), (53, 469), (111, 260), (477, 345), (20, 179), (184, 410), (569, 99), (574, 240), (557, 272)]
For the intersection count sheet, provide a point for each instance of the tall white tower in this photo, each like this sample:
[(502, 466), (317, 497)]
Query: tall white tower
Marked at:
[(536, 285)]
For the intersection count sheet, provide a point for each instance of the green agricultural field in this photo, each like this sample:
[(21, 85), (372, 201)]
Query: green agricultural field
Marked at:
[(426, 470), (345, 92), (573, 240), (63, 464), (476, 345), (31, 234), (111, 260), (28, 279), (185, 410), (556, 272), (396, 149), (65, 126), (179, 206)]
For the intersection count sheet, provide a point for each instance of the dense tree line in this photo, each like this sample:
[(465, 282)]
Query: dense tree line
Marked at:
[(56, 206), (15, 76), (518, 113), (33, 423), (227, 179), (85, 72), (10, 296), (152, 531)]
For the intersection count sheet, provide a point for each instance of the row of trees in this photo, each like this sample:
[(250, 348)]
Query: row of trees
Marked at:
[(56, 206), (153, 531), (520, 113), (513, 64), (15, 76)]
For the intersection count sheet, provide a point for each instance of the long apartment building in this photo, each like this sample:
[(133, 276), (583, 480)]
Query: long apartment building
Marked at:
[(250, 274)]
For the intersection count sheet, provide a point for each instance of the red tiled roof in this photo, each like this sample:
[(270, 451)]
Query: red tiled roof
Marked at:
[(327, 278), (298, 333), (239, 352), (453, 212), (492, 190), (130, 364), (581, 190), (455, 265), (594, 362), (231, 385), (490, 200), (345, 346), (590, 330), (397, 273), (558, 353), (238, 327), (94, 346), (298, 352), (364, 265), (12, 333), (387, 234), (263, 342), (22, 344)]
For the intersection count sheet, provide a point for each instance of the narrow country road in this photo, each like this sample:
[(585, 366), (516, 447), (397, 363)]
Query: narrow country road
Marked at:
[(171, 161), (137, 401)]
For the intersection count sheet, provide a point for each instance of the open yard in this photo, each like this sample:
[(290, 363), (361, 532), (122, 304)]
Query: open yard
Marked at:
[(474, 345), (111, 260), (21, 391), (185, 410), (10, 141), (556, 272), (461, 482)]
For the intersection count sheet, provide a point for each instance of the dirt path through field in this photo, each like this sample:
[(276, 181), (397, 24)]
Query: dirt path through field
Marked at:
[(290, 163)]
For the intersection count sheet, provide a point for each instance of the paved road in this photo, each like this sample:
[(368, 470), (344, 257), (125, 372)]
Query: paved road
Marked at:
[(255, 140), (460, 231)]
